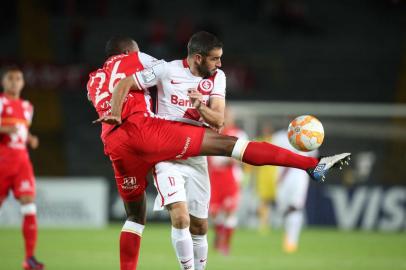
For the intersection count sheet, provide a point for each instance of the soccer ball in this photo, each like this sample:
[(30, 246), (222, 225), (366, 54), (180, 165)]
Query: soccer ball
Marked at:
[(306, 133)]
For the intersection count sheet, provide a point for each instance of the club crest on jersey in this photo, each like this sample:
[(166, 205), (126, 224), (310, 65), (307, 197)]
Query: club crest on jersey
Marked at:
[(206, 85), (129, 183)]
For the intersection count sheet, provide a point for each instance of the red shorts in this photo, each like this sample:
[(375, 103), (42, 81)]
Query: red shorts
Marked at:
[(16, 174), (225, 191), (141, 142)]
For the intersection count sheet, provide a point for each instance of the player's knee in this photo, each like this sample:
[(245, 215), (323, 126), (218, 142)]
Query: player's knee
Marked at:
[(26, 199), (180, 220), (199, 228), (140, 219), (291, 209)]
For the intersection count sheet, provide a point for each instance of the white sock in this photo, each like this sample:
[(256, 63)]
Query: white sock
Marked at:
[(183, 245), (133, 227), (239, 149), (28, 209), (293, 226), (200, 249)]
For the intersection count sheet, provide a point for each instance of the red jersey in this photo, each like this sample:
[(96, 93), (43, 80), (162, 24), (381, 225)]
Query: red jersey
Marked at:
[(102, 82), (18, 113)]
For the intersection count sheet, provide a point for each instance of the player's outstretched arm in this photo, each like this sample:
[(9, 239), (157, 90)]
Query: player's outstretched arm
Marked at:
[(120, 92)]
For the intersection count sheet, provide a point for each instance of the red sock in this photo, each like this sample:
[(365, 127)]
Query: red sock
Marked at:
[(262, 153), (129, 250), (218, 235), (227, 235), (30, 232)]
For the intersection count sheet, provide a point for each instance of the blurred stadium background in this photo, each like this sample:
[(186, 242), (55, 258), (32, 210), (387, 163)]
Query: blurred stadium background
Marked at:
[(343, 61)]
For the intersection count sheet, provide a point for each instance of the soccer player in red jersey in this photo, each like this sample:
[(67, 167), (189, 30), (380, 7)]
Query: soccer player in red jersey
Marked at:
[(135, 139), (16, 173), (124, 59), (225, 177)]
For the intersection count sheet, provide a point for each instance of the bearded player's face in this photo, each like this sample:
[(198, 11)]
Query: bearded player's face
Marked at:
[(210, 63)]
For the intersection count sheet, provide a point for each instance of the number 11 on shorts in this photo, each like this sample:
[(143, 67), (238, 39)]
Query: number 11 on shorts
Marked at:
[(171, 180)]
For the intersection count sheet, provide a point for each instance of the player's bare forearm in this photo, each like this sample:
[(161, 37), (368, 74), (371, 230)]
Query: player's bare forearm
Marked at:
[(213, 114), (120, 92), (212, 117)]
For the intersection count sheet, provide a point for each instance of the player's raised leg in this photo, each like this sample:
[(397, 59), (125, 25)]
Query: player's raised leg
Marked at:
[(262, 153)]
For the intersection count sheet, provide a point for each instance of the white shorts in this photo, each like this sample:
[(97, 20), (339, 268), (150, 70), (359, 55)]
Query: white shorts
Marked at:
[(292, 189), (183, 181)]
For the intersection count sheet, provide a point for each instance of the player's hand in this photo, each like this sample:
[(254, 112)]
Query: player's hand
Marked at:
[(109, 119), (195, 97), (33, 141)]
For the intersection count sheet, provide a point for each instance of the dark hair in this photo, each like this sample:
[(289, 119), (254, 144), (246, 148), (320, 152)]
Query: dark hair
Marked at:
[(202, 43), (118, 45), (9, 68)]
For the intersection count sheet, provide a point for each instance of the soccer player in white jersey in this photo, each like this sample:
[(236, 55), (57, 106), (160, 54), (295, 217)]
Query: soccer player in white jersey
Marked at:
[(183, 185), (141, 139), (291, 194)]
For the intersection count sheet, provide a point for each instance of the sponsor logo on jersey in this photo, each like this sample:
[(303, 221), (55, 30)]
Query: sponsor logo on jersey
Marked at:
[(129, 183), (176, 100), (206, 85)]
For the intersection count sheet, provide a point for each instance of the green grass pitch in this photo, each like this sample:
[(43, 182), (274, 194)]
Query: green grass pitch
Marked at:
[(324, 249)]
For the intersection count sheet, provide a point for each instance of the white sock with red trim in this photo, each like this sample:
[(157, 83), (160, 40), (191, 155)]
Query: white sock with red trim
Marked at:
[(183, 245), (200, 250)]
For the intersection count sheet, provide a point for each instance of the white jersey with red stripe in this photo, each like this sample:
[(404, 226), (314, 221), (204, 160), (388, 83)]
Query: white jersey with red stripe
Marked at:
[(182, 180), (102, 82), (173, 80)]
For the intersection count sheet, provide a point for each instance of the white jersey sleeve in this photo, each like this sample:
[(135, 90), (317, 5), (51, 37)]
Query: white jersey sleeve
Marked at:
[(147, 60), (219, 89), (152, 75)]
